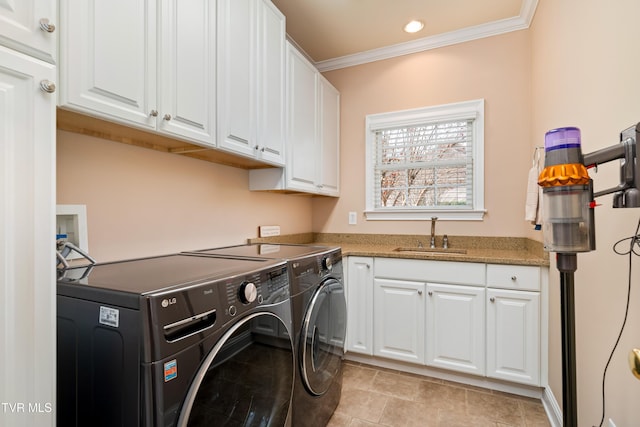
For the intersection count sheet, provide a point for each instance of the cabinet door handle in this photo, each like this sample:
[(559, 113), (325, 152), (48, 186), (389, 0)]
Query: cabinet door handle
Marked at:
[(256, 147), (368, 266), (167, 117), (46, 26), (492, 299), (514, 278), (430, 293), (154, 113), (47, 86), (419, 292)]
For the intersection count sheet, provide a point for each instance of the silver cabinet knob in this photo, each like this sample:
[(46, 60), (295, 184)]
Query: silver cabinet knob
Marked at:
[(167, 117), (154, 113), (46, 26), (256, 147), (419, 292), (430, 293), (47, 86), (492, 299), (514, 278)]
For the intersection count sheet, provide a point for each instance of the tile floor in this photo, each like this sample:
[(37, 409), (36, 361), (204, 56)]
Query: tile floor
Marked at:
[(383, 397)]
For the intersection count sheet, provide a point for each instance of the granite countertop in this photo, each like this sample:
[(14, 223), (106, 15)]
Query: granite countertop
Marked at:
[(494, 250)]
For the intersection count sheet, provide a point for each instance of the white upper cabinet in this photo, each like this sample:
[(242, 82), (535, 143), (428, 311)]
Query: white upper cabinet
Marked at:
[(303, 145), (112, 67), (108, 59), (312, 133), (29, 26), (329, 127), (251, 79), (186, 76)]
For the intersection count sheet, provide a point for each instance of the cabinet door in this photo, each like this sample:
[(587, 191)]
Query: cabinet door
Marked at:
[(27, 230), (302, 149), (513, 336), (20, 27), (455, 328), (237, 76), (398, 322), (359, 288), (108, 59), (329, 137), (187, 73), (271, 89)]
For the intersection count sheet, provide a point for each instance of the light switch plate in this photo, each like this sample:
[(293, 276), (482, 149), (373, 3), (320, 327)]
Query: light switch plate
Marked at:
[(353, 218)]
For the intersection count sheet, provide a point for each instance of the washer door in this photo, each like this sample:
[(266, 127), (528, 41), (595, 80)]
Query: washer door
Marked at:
[(247, 378), (322, 339)]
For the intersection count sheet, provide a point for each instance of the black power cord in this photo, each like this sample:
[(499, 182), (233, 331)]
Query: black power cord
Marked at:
[(633, 241)]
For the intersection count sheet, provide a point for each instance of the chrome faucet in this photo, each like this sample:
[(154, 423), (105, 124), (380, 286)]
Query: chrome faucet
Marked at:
[(433, 231)]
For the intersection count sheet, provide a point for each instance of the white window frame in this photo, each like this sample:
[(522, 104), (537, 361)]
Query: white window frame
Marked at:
[(448, 112)]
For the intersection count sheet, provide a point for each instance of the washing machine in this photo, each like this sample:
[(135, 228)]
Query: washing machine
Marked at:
[(319, 322), (175, 340)]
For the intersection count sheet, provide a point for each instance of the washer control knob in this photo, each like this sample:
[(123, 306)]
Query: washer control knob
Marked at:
[(247, 292), (327, 263)]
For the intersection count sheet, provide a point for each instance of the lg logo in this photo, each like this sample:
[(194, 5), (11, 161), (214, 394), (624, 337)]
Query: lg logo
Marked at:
[(168, 301)]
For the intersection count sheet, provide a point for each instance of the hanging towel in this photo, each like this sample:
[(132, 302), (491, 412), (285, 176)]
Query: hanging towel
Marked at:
[(533, 208)]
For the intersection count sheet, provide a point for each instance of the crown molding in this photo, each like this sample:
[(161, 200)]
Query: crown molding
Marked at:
[(520, 22)]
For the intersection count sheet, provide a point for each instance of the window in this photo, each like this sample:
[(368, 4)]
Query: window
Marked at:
[(426, 162)]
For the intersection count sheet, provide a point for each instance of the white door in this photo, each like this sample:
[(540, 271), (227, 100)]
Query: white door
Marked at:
[(329, 126), (187, 79), (513, 336), (271, 72), (359, 286), (398, 319), (302, 148), (455, 328), (29, 26), (108, 59), (236, 76), (27, 238)]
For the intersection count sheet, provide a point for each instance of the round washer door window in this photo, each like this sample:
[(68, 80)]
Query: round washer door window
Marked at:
[(322, 339), (247, 379)]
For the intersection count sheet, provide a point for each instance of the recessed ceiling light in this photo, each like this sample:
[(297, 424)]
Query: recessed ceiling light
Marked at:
[(414, 26)]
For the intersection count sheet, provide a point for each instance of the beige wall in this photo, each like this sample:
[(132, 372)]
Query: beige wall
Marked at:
[(497, 69), (142, 202), (585, 74)]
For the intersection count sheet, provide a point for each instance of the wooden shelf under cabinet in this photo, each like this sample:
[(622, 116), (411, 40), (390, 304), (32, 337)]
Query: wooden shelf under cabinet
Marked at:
[(80, 123)]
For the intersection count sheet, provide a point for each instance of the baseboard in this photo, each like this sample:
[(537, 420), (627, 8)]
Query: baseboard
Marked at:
[(551, 407), (484, 382)]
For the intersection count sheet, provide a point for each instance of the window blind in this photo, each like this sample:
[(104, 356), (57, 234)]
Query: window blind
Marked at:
[(424, 166)]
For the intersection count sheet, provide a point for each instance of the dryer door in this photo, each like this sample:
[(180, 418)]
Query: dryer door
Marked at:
[(322, 339), (247, 378)]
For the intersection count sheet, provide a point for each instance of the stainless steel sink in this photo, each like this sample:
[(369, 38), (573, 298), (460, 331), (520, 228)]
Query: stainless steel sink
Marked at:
[(432, 251)]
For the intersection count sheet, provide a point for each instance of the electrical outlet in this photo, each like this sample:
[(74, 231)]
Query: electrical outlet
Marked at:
[(353, 219), (269, 230)]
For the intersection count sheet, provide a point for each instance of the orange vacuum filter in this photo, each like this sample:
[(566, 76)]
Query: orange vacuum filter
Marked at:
[(564, 175)]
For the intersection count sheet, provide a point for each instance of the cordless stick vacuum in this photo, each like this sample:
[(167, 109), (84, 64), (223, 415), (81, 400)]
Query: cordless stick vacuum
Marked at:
[(568, 224)]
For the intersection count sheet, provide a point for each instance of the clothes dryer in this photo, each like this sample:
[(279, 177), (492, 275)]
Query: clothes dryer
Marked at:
[(319, 322)]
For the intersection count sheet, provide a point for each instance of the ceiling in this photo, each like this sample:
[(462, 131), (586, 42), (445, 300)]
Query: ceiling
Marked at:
[(338, 33)]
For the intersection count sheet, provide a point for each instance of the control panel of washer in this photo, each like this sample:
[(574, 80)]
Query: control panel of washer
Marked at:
[(259, 288)]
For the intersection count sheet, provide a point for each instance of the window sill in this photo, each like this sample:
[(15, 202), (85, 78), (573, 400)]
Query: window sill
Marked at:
[(414, 215)]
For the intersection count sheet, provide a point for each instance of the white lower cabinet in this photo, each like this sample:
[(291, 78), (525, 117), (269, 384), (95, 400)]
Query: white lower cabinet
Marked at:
[(455, 328), (359, 288), (513, 335), (473, 318), (398, 324)]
